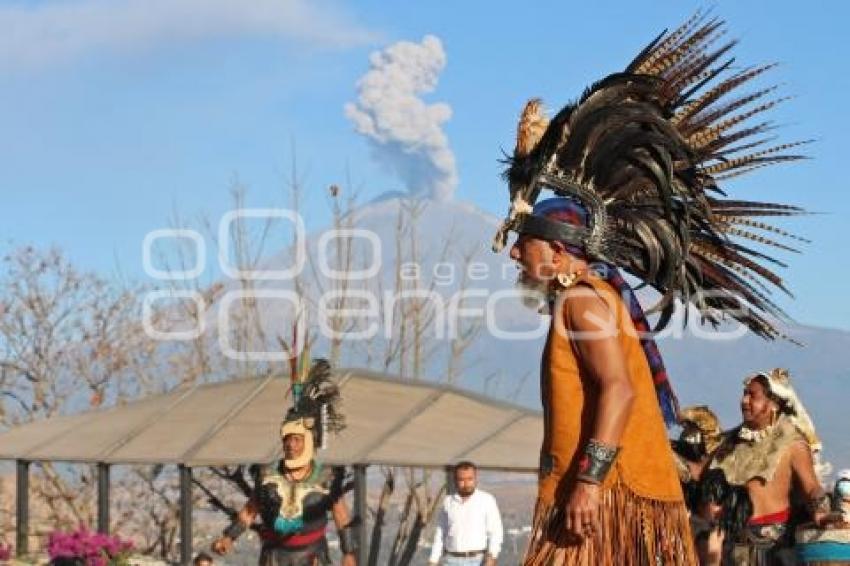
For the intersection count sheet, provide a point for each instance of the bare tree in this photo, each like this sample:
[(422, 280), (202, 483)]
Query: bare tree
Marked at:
[(71, 341), (465, 331), (68, 341)]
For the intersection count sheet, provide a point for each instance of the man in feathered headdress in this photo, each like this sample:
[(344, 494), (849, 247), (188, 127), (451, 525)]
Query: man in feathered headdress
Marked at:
[(770, 455), (294, 496), (634, 167)]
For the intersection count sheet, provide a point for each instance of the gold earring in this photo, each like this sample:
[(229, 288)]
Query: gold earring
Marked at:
[(566, 280)]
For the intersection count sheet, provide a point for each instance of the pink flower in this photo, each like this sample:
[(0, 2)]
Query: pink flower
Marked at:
[(97, 549), (5, 552)]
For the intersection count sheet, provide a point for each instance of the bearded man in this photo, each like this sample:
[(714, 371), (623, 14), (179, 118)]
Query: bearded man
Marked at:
[(469, 526), (634, 166)]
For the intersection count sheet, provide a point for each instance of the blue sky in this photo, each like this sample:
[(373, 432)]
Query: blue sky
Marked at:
[(113, 114)]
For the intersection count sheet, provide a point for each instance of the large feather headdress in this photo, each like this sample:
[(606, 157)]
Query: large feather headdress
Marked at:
[(317, 402), (644, 151)]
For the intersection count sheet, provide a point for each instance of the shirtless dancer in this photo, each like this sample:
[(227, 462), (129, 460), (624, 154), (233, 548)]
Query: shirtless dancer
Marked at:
[(770, 455)]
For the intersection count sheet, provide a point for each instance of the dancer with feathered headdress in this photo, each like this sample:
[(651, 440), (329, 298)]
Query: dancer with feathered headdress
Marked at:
[(294, 496), (635, 166)]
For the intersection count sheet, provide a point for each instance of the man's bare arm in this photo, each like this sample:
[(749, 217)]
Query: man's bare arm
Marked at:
[(345, 530), (340, 514), (602, 360), (597, 341), (248, 513), (802, 464), (244, 519)]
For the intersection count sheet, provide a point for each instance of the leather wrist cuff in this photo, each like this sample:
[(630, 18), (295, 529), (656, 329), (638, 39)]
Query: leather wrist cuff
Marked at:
[(348, 538), (596, 461), (235, 529)]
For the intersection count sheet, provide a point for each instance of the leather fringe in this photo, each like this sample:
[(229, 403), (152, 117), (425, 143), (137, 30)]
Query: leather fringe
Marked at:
[(634, 531)]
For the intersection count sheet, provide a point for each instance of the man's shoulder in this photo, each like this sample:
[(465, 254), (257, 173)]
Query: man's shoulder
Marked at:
[(269, 469), (446, 504), (485, 496), (728, 443), (323, 475), (791, 432)]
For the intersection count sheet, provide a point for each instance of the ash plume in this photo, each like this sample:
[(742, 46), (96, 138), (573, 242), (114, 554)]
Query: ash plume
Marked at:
[(405, 132)]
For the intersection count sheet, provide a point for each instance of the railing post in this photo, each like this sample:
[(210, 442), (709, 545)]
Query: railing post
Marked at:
[(450, 479), (185, 514), (103, 498), (361, 510), (22, 503)]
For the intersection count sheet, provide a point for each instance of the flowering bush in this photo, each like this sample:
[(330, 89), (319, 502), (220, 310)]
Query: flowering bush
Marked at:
[(86, 547), (5, 552)]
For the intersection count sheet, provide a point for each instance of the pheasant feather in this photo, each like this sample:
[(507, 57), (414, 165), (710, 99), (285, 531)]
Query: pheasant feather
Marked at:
[(647, 151)]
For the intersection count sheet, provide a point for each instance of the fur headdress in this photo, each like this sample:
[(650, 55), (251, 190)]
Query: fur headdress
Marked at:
[(706, 422), (779, 386)]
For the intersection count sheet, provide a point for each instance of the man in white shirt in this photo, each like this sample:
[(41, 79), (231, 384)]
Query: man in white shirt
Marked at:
[(469, 527)]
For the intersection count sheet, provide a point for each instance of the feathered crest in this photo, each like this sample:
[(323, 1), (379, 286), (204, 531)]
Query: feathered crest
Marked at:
[(320, 399), (652, 143), (532, 125)]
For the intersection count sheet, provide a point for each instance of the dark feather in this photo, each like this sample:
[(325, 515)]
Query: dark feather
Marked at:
[(654, 142)]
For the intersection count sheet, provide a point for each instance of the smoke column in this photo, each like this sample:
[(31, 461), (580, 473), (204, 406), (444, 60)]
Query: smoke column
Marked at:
[(404, 131)]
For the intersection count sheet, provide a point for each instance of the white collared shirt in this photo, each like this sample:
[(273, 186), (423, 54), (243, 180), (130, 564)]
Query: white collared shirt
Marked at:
[(468, 525)]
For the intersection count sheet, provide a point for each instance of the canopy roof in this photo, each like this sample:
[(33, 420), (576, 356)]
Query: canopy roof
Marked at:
[(389, 420)]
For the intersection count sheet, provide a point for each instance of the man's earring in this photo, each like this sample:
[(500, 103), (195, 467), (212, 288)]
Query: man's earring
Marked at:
[(566, 280)]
